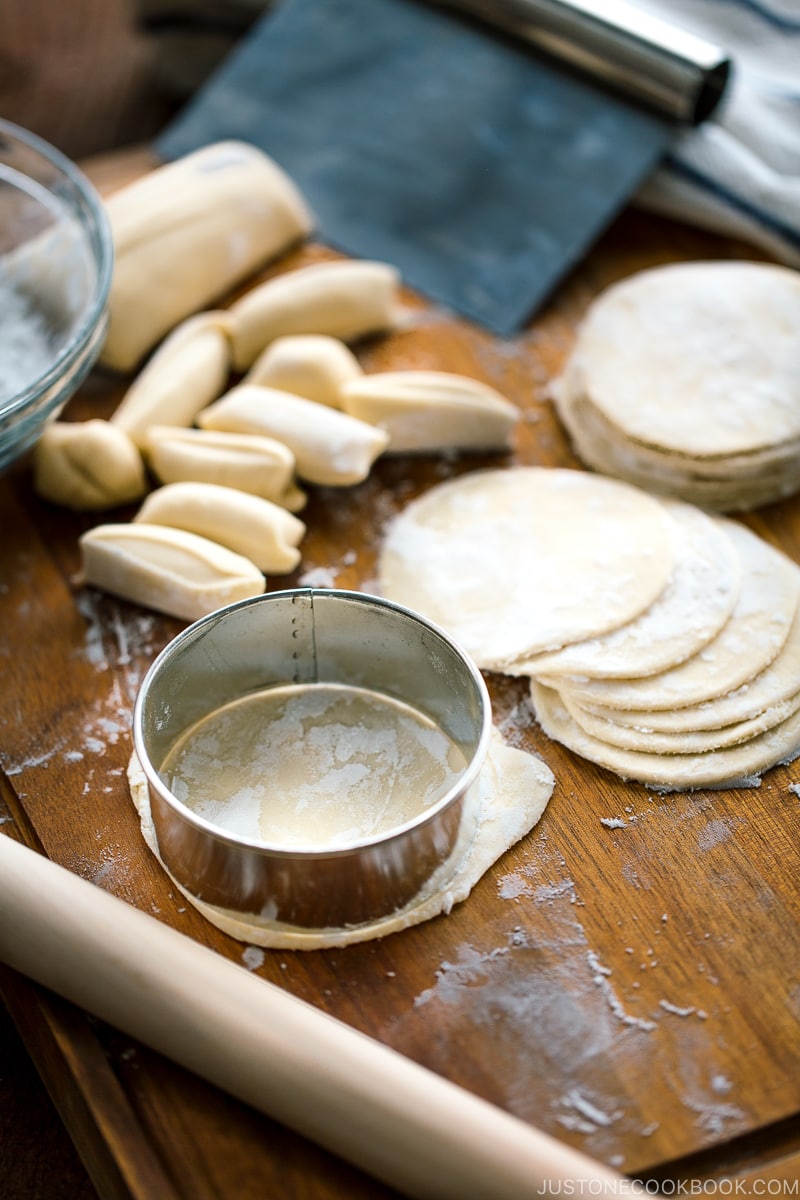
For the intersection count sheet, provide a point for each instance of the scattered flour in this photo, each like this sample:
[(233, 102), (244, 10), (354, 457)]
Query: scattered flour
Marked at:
[(253, 957), (676, 1010), (716, 832), (517, 722), (600, 979), (319, 577), (583, 1114)]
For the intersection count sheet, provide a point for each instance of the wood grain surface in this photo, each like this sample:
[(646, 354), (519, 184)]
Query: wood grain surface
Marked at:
[(634, 991)]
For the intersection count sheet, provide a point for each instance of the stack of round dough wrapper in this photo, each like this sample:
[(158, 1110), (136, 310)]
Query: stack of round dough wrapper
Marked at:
[(685, 380), (662, 642)]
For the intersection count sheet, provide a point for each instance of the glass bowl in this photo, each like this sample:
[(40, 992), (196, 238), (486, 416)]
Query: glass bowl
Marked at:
[(56, 260)]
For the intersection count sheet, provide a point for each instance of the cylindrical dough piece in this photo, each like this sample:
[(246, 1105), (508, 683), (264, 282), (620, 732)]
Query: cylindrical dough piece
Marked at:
[(187, 372), (697, 358), (346, 300), (516, 561), (173, 571), (329, 447), (87, 465), (249, 525), (187, 233), (691, 610), (431, 410), (311, 365), (260, 465), (751, 638)]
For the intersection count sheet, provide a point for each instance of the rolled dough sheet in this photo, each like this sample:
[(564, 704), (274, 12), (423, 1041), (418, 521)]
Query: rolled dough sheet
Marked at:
[(690, 741), (735, 766), (754, 634), (513, 562), (777, 684), (514, 788), (691, 610), (731, 484), (698, 358), (576, 407)]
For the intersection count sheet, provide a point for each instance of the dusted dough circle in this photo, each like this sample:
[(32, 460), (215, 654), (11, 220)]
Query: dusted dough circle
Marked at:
[(732, 484), (751, 639), (517, 561), (688, 741), (777, 685), (670, 772), (700, 359), (691, 610), (513, 790)]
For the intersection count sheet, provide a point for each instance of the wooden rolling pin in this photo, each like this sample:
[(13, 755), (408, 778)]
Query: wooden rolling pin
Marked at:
[(401, 1123)]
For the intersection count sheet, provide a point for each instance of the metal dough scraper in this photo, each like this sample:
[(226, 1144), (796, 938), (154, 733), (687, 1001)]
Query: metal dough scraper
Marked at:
[(481, 146)]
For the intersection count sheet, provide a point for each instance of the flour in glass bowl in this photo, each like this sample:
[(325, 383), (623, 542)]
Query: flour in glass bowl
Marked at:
[(26, 348)]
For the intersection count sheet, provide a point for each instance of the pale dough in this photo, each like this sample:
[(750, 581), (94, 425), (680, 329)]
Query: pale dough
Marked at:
[(425, 411), (249, 525), (514, 788), (259, 465), (343, 299), (698, 358), (582, 417), (736, 484), (512, 562), (730, 767), (777, 684), (312, 766), (689, 741), (315, 366), (695, 604), (87, 465), (329, 447), (752, 637), (188, 370), (173, 571), (187, 233)]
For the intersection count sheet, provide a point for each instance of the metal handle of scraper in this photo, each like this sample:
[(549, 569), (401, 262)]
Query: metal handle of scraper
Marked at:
[(654, 62)]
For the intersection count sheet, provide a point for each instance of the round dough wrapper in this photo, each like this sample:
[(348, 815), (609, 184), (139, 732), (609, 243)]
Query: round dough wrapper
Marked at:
[(691, 610), (690, 741), (582, 417), (722, 485), (516, 561), (699, 358), (514, 790), (777, 684), (734, 766), (754, 634)]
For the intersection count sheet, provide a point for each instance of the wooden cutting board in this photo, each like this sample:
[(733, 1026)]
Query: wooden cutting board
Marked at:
[(627, 978)]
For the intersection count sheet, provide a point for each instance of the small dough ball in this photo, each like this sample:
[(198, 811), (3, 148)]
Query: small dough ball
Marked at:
[(188, 371), (170, 570), (88, 465), (346, 300), (330, 448), (249, 525), (314, 366)]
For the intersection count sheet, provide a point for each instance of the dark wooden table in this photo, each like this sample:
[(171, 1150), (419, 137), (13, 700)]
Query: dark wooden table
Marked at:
[(633, 991)]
